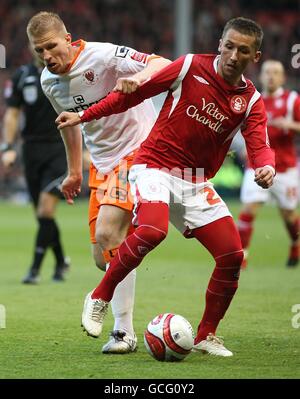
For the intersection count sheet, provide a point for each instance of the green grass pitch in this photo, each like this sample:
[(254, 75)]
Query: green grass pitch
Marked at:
[(43, 338)]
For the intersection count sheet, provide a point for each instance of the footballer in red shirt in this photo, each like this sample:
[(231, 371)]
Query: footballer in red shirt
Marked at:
[(283, 111), (208, 102)]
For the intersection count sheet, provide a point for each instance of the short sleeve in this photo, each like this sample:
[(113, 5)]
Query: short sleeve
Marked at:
[(128, 61)]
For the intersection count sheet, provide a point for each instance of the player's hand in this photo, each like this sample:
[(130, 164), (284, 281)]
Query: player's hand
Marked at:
[(264, 177), (127, 85), (9, 158), (71, 187), (66, 119)]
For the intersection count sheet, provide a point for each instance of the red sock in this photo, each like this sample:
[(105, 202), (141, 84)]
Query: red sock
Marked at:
[(294, 229), (153, 218), (245, 227), (223, 284)]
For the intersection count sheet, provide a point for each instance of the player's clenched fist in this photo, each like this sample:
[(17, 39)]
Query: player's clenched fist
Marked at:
[(264, 177), (66, 119), (127, 85)]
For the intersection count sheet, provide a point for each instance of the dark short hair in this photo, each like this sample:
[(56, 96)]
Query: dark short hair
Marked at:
[(247, 27)]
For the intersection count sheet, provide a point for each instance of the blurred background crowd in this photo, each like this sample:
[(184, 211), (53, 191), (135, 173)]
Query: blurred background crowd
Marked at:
[(149, 26)]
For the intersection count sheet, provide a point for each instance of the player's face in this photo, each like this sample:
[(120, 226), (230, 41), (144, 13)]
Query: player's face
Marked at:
[(237, 51), (272, 76), (54, 49)]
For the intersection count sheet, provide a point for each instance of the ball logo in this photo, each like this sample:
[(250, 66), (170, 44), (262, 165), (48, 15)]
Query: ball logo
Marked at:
[(238, 104), (90, 77), (157, 319)]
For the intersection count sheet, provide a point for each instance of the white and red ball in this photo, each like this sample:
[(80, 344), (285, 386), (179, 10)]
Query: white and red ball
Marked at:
[(169, 337)]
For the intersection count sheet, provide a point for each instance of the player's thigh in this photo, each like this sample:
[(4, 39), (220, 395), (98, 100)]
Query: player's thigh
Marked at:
[(250, 191), (286, 189), (150, 185), (112, 225), (220, 237), (196, 205)]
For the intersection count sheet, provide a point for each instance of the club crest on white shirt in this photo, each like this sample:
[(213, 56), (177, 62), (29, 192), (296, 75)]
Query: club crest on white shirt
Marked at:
[(90, 77)]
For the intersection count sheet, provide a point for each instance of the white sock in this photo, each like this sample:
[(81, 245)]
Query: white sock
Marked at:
[(122, 303)]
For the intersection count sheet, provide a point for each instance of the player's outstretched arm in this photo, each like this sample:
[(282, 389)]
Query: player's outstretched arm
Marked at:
[(116, 102)]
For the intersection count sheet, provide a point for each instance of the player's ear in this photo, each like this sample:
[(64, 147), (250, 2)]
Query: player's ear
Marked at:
[(220, 45), (68, 38), (257, 56)]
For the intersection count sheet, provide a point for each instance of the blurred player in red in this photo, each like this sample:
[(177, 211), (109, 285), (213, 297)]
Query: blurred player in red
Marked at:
[(208, 101), (283, 111)]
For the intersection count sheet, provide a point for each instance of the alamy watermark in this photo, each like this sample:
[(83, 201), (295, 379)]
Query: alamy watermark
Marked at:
[(296, 317), (2, 316), (2, 56), (296, 57)]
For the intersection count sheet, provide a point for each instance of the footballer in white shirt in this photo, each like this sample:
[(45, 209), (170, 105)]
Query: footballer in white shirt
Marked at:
[(77, 75)]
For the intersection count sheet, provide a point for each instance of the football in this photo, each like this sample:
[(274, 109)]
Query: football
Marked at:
[(169, 337)]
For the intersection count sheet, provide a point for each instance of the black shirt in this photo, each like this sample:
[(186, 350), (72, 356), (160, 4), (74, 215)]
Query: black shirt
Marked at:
[(26, 93)]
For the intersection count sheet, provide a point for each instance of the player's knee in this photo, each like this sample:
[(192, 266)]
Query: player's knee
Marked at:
[(100, 264), (231, 261), (108, 238), (235, 260), (45, 212), (152, 234), (251, 209)]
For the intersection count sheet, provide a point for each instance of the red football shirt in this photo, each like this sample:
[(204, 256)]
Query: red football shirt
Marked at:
[(283, 103), (199, 118)]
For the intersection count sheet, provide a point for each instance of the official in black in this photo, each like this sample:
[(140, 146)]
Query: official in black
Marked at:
[(44, 161)]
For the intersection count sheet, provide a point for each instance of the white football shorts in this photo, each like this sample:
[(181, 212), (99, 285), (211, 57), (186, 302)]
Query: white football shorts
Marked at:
[(285, 189), (191, 204)]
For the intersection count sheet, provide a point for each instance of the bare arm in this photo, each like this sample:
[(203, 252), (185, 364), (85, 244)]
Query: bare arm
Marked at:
[(71, 186), (10, 129)]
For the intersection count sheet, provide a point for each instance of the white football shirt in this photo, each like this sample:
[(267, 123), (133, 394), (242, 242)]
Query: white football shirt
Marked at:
[(92, 75)]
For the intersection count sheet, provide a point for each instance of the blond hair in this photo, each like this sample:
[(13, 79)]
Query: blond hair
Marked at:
[(43, 22)]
